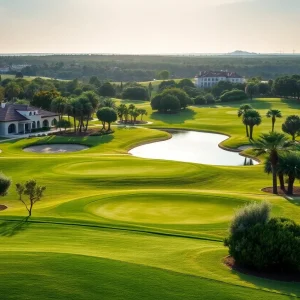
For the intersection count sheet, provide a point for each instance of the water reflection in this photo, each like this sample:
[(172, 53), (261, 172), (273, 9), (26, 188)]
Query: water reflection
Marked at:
[(193, 146)]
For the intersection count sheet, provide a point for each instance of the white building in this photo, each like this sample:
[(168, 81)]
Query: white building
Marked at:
[(21, 119), (208, 79)]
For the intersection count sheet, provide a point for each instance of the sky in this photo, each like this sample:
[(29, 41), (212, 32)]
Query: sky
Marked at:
[(149, 27)]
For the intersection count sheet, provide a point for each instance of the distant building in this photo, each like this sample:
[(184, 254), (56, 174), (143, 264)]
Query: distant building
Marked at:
[(20, 119), (207, 79), (4, 69), (19, 68)]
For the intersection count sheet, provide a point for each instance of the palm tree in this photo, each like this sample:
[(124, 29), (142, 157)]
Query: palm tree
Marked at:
[(291, 126), (280, 175), (289, 165), (241, 112), (142, 113), (251, 118), (121, 110), (107, 102), (274, 113), (135, 114), (271, 144), (58, 105), (251, 89)]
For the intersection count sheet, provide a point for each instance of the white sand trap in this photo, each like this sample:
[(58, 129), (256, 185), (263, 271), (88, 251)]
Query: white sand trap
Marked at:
[(56, 148)]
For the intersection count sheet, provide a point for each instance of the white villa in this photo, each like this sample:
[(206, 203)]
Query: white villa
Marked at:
[(208, 79), (21, 119)]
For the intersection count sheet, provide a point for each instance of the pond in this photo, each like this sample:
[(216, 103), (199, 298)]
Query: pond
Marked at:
[(195, 147), (55, 148)]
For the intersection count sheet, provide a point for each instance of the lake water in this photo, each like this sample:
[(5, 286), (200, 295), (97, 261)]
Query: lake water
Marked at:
[(195, 147)]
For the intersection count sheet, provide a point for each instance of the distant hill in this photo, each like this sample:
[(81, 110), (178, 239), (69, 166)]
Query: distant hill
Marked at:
[(240, 52)]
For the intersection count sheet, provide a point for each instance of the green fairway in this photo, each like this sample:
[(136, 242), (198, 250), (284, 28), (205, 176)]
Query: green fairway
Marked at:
[(113, 226)]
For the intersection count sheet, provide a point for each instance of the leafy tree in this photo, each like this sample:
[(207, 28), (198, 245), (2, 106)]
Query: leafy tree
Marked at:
[(163, 75), (271, 144), (135, 93), (107, 102), (107, 115), (251, 90), (251, 118), (234, 95), (2, 94), (218, 89), (274, 113), (58, 106), (185, 83), (33, 191), (209, 98), (43, 99), (200, 100), (166, 84), (291, 126), (181, 95), (150, 90), (169, 103), (107, 90), (5, 184), (19, 75), (95, 81), (155, 102), (263, 88), (12, 90), (63, 124), (243, 108)]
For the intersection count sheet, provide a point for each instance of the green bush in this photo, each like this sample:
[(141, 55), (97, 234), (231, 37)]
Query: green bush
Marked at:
[(135, 93), (264, 244), (234, 95), (210, 99), (200, 100)]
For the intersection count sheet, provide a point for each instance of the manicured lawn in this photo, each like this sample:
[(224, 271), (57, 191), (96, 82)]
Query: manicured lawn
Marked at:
[(113, 226)]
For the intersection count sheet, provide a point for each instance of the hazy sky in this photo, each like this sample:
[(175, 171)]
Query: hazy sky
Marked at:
[(143, 26)]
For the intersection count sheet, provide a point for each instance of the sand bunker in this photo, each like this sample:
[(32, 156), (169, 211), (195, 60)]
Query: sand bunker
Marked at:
[(56, 148)]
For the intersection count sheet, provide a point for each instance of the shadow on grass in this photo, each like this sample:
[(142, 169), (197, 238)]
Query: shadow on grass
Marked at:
[(11, 228), (181, 117), (291, 103)]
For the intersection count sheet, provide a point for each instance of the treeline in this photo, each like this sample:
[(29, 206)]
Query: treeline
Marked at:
[(145, 68)]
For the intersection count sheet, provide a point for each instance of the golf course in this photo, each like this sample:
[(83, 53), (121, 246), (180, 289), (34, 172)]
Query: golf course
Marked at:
[(113, 226)]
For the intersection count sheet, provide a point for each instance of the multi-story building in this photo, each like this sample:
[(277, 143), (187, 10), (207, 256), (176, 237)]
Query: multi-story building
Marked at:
[(207, 79)]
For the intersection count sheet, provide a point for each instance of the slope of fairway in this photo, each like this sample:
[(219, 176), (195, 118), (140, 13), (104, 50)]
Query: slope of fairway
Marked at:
[(113, 226)]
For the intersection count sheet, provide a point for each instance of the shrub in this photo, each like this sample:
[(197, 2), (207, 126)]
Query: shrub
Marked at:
[(200, 100), (169, 103), (234, 95), (250, 215), (155, 102), (264, 244)]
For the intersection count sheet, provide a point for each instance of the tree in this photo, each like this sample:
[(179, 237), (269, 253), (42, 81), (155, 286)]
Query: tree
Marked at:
[(209, 98), (242, 110), (135, 93), (135, 114), (107, 115), (181, 95), (185, 83), (251, 118), (107, 102), (166, 84), (155, 102), (263, 88), (274, 113), (33, 191), (251, 90), (63, 124), (150, 89), (58, 106), (95, 81), (271, 144), (19, 75), (2, 94), (142, 112), (169, 103), (43, 99), (121, 111), (234, 95), (107, 90), (291, 126), (12, 90), (5, 183), (163, 75), (289, 165)]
